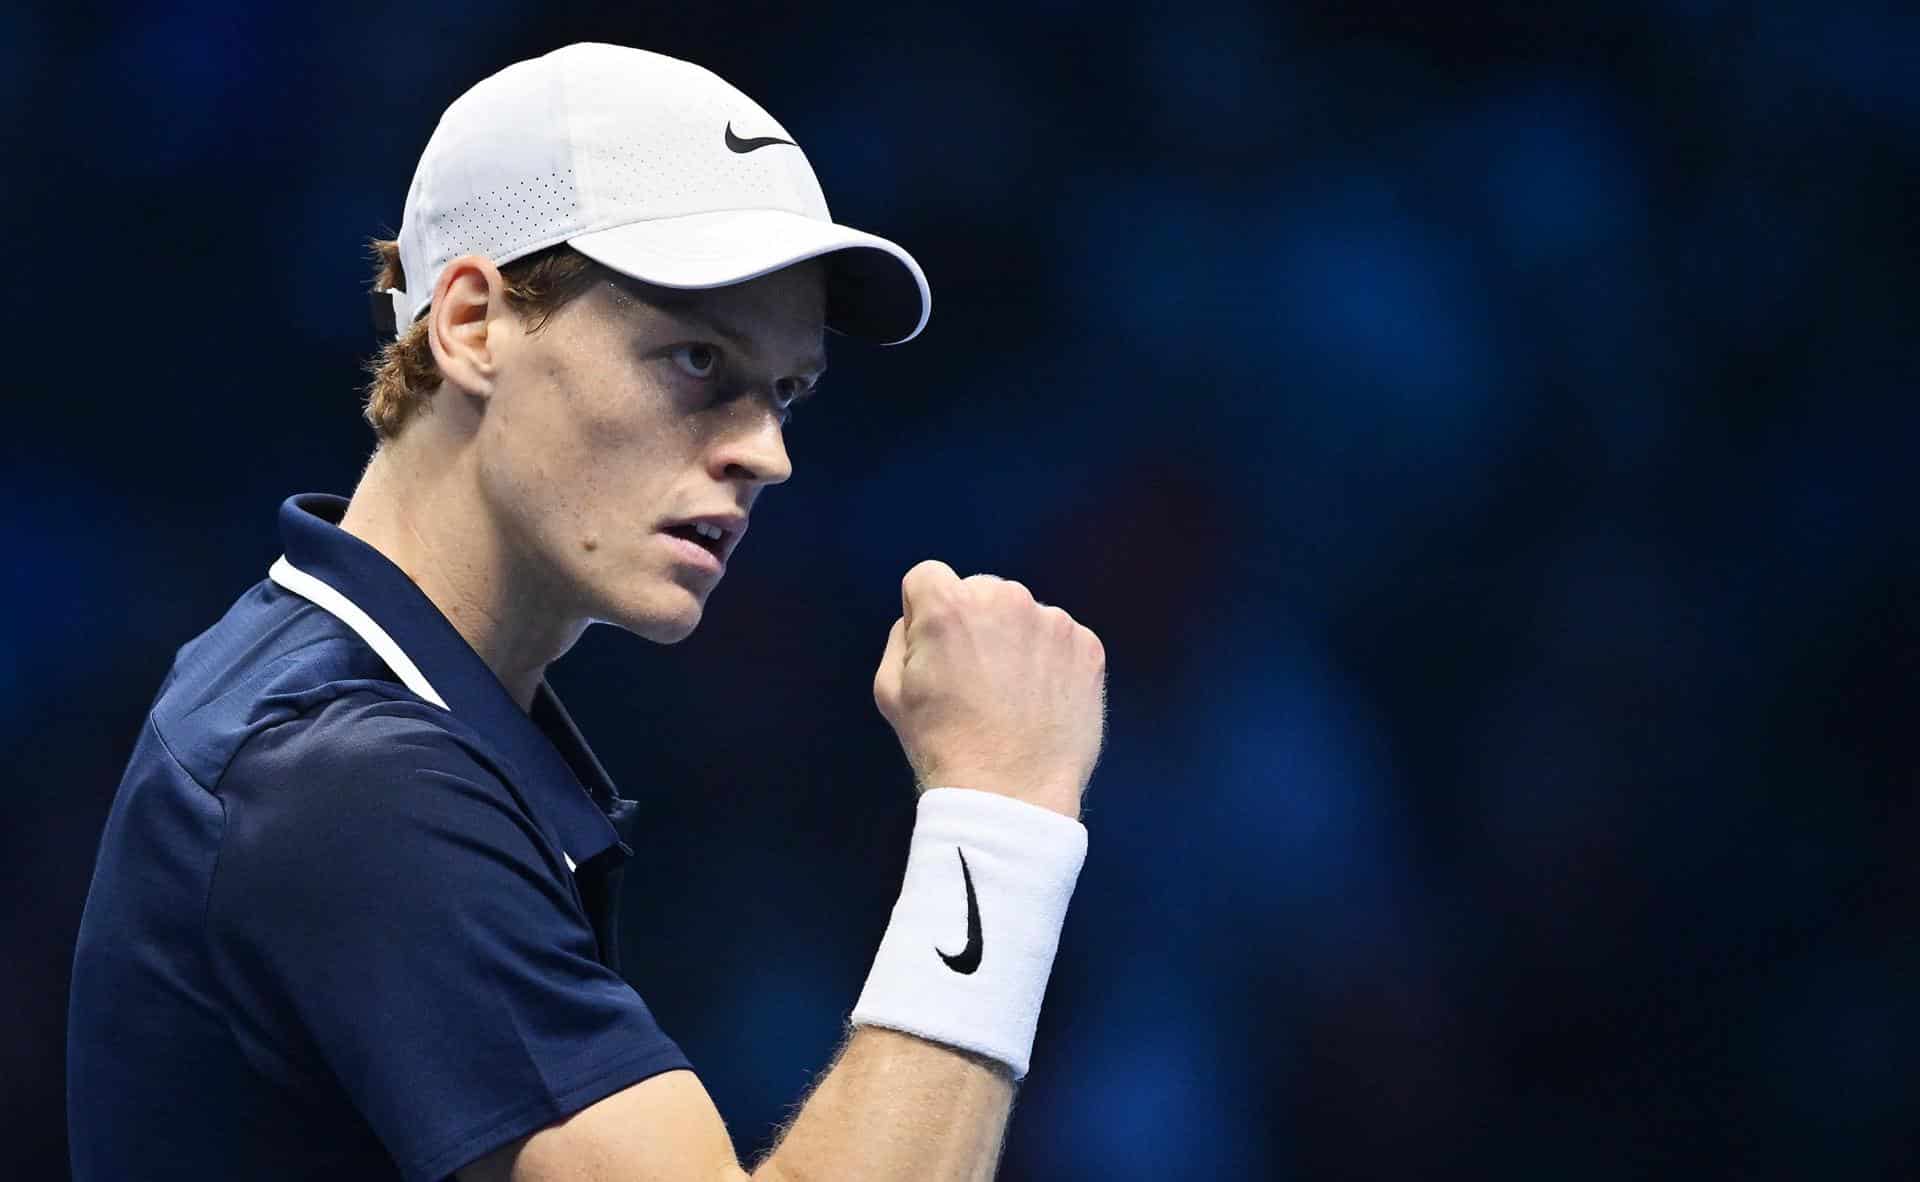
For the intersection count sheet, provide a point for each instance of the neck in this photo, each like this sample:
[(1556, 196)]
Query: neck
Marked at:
[(419, 503)]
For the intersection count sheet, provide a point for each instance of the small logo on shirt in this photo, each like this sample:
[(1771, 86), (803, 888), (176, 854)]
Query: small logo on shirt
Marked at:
[(969, 957)]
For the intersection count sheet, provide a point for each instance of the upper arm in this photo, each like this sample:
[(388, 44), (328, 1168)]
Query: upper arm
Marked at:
[(389, 928), (663, 1129)]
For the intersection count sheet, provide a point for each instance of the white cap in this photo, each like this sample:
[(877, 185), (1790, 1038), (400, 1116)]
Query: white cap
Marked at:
[(651, 166)]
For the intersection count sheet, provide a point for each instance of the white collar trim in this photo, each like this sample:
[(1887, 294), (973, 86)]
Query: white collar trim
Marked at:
[(327, 599)]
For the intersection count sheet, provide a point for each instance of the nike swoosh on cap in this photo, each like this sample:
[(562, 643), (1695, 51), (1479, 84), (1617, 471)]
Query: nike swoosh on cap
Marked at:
[(744, 146)]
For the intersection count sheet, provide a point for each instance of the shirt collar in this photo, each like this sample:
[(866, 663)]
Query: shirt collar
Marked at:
[(364, 589)]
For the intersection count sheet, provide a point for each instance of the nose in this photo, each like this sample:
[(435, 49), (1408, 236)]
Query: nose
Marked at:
[(754, 451)]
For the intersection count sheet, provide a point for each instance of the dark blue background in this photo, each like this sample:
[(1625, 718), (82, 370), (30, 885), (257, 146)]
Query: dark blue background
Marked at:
[(1476, 430)]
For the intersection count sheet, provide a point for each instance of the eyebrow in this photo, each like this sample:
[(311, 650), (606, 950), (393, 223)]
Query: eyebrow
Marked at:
[(680, 306), (815, 363)]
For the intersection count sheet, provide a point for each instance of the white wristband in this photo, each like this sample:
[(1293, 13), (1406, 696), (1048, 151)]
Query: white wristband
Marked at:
[(965, 960)]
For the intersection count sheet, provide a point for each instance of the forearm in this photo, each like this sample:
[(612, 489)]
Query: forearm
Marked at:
[(916, 1105), (894, 1106)]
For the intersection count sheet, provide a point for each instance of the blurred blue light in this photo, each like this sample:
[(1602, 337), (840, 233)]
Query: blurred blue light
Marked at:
[(64, 602), (1560, 176), (1157, 1094)]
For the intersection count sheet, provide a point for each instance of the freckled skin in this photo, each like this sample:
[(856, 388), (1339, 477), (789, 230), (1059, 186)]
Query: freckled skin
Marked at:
[(529, 500), (594, 438)]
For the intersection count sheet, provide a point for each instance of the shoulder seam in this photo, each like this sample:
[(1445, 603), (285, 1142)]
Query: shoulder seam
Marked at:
[(442, 722), (153, 723), (220, 851), (360, 686), (206, 898)]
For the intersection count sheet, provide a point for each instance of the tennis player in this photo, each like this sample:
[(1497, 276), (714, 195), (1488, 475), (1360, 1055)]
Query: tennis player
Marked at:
[(354, 914)]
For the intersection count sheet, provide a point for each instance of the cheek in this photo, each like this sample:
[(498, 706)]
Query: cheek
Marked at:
[(583, 453), (619, 447), (536, 453)]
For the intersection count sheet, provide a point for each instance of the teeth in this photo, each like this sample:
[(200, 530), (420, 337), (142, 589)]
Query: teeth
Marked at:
[(710, 532)]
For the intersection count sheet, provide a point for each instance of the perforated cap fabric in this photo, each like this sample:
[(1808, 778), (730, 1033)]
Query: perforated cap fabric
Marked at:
[(652, 166)]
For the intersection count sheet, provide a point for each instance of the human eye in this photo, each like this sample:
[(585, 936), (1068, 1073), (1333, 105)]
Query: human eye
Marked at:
[(696, 360), (789, 393)]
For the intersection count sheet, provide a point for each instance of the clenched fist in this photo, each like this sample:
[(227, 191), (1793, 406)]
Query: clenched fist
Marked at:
[(990, 690)]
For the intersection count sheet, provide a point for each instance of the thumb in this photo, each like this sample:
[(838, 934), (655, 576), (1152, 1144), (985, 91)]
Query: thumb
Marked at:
[(926, 580), (893, 663)]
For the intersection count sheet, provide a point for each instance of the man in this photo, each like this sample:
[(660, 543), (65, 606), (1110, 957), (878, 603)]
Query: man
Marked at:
[(353, 915)]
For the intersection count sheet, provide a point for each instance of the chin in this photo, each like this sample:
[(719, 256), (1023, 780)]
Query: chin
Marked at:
[(662, 623), (662, 632)]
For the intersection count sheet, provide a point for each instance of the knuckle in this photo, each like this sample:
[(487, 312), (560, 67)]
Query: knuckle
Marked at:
[(927, 576), (930, 603), (997, 587)]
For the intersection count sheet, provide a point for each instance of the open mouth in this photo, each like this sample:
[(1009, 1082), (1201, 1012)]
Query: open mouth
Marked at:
[(707, 537)]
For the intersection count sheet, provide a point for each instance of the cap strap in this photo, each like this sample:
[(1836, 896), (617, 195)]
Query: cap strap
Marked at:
[(389, 311)]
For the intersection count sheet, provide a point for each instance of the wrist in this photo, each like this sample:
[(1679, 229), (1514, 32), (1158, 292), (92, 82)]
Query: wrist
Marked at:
[(1059, 798), (966, 958)]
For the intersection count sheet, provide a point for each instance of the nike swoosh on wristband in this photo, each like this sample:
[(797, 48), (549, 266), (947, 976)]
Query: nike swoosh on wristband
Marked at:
[(969, 957), (744, 146)]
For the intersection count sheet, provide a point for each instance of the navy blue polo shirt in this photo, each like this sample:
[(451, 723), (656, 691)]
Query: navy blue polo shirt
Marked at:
[(353, 914)]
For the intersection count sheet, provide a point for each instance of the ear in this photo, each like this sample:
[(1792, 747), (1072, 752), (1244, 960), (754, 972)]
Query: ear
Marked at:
[(466, 323)]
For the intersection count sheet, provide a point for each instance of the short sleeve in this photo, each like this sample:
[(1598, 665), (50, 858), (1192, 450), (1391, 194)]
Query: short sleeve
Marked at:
[(386, 915)]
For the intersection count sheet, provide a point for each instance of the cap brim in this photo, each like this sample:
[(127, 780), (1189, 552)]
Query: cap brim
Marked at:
[(874, 289)]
